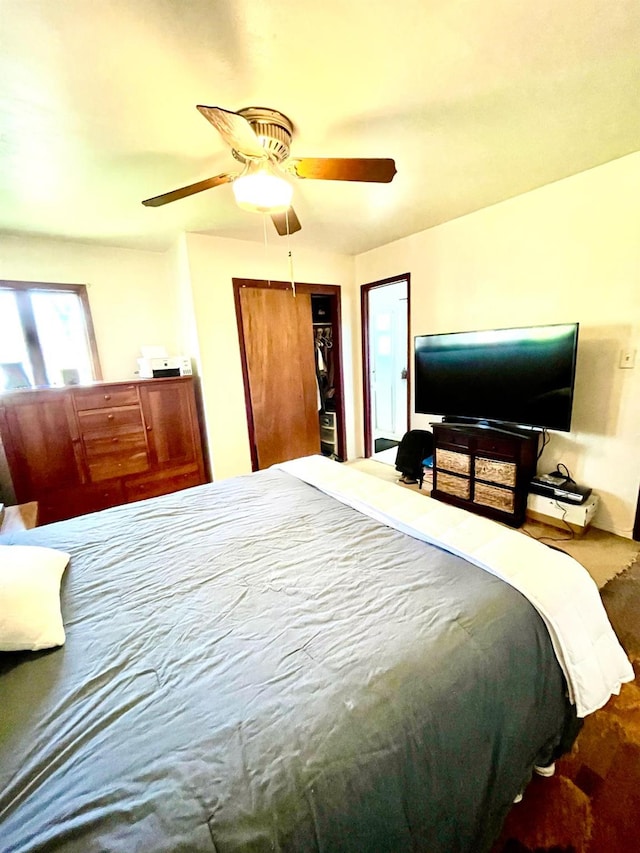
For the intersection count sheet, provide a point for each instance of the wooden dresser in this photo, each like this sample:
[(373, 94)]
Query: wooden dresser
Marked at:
[(81, 449), (484, 470)]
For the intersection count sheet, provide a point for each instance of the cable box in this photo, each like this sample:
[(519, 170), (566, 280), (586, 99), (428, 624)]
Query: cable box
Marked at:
[(560, 488)]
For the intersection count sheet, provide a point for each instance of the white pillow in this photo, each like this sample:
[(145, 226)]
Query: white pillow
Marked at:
[(30, 616)]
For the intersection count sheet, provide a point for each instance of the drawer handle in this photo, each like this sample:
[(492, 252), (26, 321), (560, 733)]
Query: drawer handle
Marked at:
[(107, 396), (149, 428), (110, 417), (114, 440)]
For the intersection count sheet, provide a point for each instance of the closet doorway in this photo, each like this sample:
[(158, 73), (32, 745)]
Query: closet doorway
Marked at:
[(292, 369), (385, 360)]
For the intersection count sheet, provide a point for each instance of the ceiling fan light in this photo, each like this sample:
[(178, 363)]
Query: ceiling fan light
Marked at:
[(259, 190)]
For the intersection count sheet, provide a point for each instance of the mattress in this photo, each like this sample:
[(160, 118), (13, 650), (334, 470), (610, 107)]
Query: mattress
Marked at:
[(253, 665)]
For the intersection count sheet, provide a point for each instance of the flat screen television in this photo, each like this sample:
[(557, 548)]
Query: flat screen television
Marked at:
[(522, 376)]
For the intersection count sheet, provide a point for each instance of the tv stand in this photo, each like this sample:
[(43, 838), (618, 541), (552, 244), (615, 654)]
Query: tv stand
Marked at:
[(484, 469)]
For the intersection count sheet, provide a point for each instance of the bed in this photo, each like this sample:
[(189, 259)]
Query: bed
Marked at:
[(256, 665)]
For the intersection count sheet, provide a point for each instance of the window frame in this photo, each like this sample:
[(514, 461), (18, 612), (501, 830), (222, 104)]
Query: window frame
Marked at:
[(22, 291)]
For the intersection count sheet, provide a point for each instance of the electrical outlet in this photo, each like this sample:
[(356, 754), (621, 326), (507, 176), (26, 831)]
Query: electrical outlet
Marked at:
[(627, 358)]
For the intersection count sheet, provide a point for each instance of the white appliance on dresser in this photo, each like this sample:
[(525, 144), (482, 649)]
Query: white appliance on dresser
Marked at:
[(159, 367)]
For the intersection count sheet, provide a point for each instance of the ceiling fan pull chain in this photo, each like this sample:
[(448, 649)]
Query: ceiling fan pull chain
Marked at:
[(293, 284), (291, 276), (266, 248)]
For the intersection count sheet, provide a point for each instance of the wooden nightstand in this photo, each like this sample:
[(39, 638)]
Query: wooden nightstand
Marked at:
[(22, 517)]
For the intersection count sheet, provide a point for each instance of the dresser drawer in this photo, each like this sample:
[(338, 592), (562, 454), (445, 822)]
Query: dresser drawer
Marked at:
[(451, 460), (122, 416), (451, 435), (151, 487), (503, 445), (126, 441), (108, 467), (106, 398), (460, 487), (494, 496), (67, 503), (495, 471)]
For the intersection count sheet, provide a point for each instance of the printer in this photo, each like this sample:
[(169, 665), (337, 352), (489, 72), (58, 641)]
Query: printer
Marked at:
[(158, 367)]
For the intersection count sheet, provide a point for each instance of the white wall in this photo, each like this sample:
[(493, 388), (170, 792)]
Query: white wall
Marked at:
[(133, 295), (567, 252), (213, 263)]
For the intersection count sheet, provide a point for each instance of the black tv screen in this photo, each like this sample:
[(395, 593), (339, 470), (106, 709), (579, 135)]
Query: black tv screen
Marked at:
[(519, 376)]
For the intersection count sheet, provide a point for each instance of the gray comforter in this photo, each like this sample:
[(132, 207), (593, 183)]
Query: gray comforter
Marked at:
[(253, 666)]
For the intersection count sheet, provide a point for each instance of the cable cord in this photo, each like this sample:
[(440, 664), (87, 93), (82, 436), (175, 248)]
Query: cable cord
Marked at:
[(563, 471), (546, 438), (564, 510)]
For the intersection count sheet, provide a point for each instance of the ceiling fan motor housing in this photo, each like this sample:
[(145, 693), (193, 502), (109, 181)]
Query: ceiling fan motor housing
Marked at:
[(273, 129)]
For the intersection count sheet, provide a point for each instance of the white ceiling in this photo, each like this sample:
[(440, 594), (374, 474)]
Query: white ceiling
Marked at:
[(476, 100)]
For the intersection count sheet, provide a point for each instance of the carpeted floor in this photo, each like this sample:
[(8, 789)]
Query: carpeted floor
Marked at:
[(592, 804)]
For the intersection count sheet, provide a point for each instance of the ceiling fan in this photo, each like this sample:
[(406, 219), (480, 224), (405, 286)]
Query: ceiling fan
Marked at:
[(260, 139)]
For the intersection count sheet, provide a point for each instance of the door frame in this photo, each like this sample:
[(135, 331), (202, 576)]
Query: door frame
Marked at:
[(332, 290), (365, 289)]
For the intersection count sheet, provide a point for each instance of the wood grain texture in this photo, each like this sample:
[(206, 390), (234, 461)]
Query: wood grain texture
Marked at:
[(278, 338), (372, 169), (76, 450)]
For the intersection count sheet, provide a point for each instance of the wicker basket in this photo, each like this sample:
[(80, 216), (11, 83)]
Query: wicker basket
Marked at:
[(494, 496), (496, 471), (458, 486), (459, 463)]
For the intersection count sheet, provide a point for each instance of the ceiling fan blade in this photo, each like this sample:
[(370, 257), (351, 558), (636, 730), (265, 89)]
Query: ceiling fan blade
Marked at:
[(376, 170), (280, 221), (183, 192), (235, 130)]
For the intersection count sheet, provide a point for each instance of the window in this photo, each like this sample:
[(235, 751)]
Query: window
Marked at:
[(46, 336)]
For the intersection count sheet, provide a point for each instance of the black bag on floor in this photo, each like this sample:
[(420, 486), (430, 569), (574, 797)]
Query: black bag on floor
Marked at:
[(416, 445)]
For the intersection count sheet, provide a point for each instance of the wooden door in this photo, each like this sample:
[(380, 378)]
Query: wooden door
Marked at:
[(171, 422), (277, 331)]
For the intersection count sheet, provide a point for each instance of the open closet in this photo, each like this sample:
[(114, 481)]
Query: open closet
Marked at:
[(292, 368), (323, 338)]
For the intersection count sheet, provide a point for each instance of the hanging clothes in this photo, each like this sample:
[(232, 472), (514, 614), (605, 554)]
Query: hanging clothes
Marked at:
[(324, 364)]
